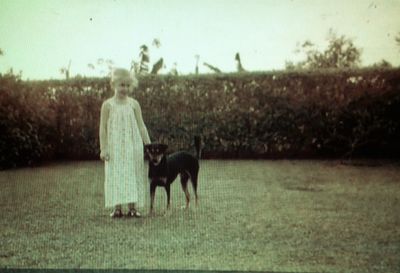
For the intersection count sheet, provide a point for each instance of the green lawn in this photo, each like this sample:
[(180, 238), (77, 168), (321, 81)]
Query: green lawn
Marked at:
[(312, 216)]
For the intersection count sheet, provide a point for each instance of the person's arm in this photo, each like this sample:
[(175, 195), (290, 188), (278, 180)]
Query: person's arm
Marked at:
[(105, 110), (140, 123)]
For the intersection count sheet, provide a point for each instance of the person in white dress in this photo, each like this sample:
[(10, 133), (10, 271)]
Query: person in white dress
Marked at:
[(122, 135)]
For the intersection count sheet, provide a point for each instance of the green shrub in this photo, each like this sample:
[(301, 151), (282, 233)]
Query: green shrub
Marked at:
[(26, 123), (330, 113)]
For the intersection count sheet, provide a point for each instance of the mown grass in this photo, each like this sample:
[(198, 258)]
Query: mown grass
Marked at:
[(303, 216)]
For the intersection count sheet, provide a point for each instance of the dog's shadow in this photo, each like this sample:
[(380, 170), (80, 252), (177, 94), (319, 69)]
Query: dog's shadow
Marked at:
[(304, 188)]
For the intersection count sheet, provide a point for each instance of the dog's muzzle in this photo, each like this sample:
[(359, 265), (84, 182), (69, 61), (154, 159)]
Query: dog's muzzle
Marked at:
[(155, 161)]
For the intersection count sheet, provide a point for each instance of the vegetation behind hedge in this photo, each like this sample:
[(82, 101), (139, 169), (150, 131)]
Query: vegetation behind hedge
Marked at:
[(329, 113)]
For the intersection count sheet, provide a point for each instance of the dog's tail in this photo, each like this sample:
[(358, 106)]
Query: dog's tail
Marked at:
[(197, 146)]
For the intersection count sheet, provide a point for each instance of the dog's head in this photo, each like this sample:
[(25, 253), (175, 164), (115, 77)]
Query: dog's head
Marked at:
[(156, 152)]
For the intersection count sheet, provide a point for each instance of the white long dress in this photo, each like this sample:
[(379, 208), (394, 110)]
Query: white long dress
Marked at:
[(124, 171)]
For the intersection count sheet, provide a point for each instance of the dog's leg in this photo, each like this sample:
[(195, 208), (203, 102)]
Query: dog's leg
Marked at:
[(187, 196), (193, 179), (168, 190), (184, 182), (152, 196)]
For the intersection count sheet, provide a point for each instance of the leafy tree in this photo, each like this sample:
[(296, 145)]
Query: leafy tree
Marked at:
[(213, 68), (239, 66), (156, 42), (340, 53), (382, 64), (103, 66), (197, 56), (157, 66), (66, 70)]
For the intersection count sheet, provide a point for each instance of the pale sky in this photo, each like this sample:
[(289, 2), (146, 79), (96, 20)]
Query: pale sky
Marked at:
[(41, 36)]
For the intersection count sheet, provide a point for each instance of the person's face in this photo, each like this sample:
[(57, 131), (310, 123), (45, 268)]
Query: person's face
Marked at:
[(123, 86)]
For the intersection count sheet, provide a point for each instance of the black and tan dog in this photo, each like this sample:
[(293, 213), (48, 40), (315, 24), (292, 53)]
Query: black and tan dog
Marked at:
[(163, 170)]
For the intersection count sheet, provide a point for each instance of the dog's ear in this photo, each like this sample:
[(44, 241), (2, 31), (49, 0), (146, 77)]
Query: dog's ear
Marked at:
[(163, 148), (147, 147)]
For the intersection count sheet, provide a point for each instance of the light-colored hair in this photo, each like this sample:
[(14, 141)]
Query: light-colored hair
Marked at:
[(118, 73)]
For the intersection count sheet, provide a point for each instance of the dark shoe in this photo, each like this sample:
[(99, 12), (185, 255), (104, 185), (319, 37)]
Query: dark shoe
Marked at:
[(116, 214), (133, 213)]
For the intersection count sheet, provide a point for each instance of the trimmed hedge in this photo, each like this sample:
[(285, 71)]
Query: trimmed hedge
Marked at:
[(26, 123), (328, 113)]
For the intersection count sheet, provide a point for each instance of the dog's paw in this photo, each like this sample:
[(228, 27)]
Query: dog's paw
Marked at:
[(167, 212), (185, 208)]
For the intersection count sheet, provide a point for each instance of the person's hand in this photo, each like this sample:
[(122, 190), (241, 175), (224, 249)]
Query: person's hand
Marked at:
[(104, 156)]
